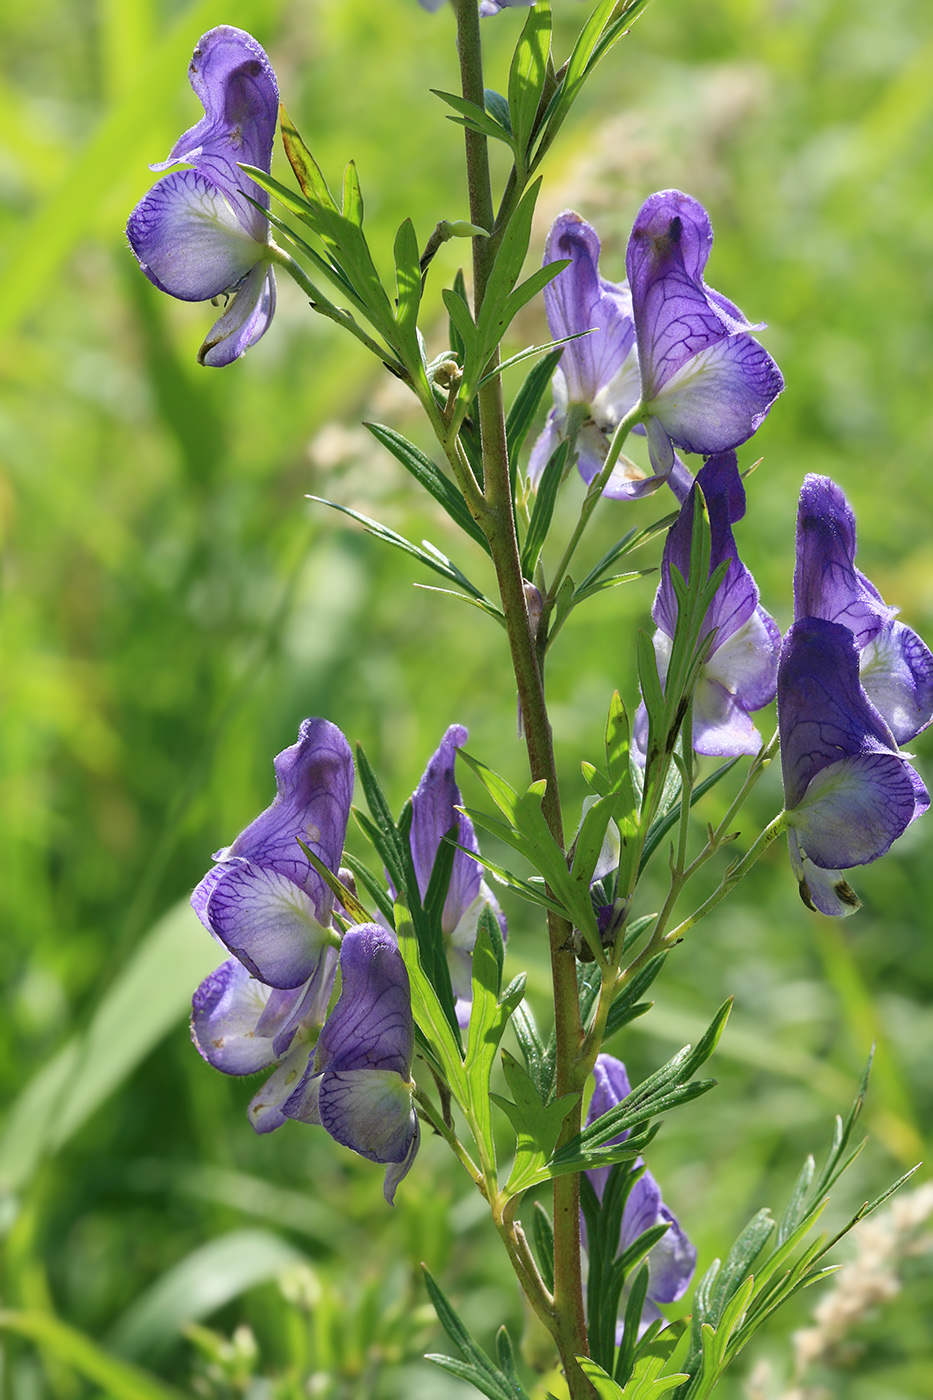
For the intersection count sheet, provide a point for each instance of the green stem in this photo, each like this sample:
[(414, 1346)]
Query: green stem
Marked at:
[(567, 1323), (322, 304), (591, 500), (737, 872)]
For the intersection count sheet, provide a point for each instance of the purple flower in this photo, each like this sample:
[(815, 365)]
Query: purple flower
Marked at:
[(359, 1087), (705, 381), (895, 665), (597, 374), (740, 673), (672, 1260), (241, 1026), (434, 812), (848, 791), (195, 233), (264, 900)]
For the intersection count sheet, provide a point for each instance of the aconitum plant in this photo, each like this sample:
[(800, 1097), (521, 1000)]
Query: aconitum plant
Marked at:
[(371, 992)]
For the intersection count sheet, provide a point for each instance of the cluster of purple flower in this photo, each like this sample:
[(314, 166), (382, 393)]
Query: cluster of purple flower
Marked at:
[(267, 1006), (851, 682)]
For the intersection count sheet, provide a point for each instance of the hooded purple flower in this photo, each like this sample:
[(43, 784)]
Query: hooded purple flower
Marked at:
[(848, 791), (195, 234), (597, 373), (740, 672), (264, 900), (705, 381), (895, 665), (672, 1260), (241, 1026), (434, 812), (359, 1087)]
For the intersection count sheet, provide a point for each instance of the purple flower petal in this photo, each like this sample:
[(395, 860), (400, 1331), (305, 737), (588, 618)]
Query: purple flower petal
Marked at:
[(546, 444), (493, 7), (599, 370), (434, 811), (823, 891), (826, 581), (578, 300), (245, 320), (188, 240), (359, 1087), (896, 671), (268, 922), (371, 1026), (896, 665), (737, 596), (707, 381), (266, 1111), (397, 1171), (740, 672), (671, 1262), (226, 1011), (370, 1111), (848, 791), (720, 397), (314, 781), (235, 83)]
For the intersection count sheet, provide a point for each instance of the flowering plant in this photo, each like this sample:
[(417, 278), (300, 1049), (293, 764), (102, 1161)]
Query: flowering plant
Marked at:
[(415, 1034)]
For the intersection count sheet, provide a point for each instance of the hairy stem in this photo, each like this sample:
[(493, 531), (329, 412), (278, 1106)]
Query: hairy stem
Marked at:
[(567, 1323)]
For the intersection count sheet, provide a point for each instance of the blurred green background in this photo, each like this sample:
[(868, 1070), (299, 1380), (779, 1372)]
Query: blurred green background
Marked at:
[(173, 606)]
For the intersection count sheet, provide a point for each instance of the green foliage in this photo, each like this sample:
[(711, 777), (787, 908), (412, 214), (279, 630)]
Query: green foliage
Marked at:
[(496, 1382)]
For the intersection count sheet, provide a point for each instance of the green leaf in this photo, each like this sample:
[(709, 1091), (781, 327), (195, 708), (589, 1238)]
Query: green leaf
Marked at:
[(117, 1378), (532, 1048), (498, 108), (526, 403), (477, 1369), (488, 1020), (588, 842), (432, 558), (528, 353), (391, 846), (663, 824), (630, 541), (536, 1125), (408, 285), (347, 898), (374, 888), (595, 39), (543, 511), (533, 893), (650, 683), (527, 77), (542, 1233), (430, 476), (311, 181), (474, 117), (352, 196), (626, 1006), (665, 1089), (148, 998), (494, 316), (461, 321), (427, 1009)]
